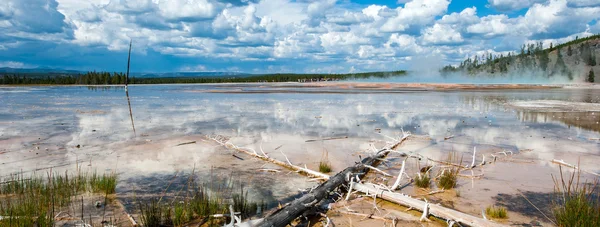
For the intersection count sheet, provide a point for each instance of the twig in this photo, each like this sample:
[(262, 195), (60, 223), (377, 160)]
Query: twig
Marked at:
[(186, 143), (397, 183)]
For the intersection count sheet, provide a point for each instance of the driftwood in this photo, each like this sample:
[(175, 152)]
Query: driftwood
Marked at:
[(264, 157), (285, 215), (432, 209), (563, 163), (332, 138), (186, 143)]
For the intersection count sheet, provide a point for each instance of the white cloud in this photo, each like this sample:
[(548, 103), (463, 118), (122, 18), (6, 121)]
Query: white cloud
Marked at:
[(465, 17), (512, 5), (11, 64), (187, 10), (292, 33), (442, 34), (415, 13), (492, 25)]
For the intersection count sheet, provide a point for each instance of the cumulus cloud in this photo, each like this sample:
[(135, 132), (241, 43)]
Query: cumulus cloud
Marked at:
[(442, 34), (285, 34), (583, 3), (415, 13), (512, 5), (33, 16)]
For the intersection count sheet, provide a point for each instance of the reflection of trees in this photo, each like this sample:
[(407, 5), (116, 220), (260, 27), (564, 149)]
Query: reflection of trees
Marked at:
[(105, 88), (584, 120)]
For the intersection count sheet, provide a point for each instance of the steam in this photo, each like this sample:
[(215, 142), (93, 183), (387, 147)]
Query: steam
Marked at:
[(426, 69)]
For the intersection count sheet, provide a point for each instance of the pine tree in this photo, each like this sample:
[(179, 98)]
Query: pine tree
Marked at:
[(591, 76)]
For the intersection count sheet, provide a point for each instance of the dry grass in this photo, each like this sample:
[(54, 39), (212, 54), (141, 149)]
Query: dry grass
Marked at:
[(496, 212), (576, 204)]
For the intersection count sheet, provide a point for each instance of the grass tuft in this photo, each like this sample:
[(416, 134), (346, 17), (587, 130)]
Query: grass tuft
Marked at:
[(496, 212), (324, 167), (33, 201), (201, 205), (422, 180), (448, 178), (576, 204)]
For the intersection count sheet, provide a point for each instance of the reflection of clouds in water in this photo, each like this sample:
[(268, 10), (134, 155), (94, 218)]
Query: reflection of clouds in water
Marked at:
[(480, 116)]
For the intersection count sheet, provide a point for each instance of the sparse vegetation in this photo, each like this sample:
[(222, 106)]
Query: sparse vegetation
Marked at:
[(324, 167), (576, 204), (496, 212), (422, 180), (198, 205), (535, 57), (33, 200), (447, 179), (106, 78)]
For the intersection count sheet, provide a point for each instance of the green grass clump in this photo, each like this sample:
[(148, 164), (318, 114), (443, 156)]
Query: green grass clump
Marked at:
[(33, 201), (324, 167), (448, 178), (576, 204), (422, 180), (496, 212), (201, 204), (107, 183)]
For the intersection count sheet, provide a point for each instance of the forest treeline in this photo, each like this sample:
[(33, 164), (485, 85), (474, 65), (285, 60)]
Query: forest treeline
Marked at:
[(106, 78), (576, 58)]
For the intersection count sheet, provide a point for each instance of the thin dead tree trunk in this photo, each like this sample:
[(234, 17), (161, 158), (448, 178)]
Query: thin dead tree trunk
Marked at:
[(127, 90)]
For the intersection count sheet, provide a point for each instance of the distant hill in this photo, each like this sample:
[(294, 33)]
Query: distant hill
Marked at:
[(576, 60), (65, 72), (190, 74), (6, 70)]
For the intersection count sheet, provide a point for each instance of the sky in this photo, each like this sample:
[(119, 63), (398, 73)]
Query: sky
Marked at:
[(279, 36)]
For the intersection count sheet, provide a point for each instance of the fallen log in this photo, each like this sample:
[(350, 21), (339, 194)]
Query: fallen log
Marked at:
[(264, 157), (287, 214), (563, 163), (433, 209)]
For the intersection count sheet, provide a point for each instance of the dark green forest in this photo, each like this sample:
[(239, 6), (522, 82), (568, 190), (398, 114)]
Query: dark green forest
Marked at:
[(106, 78), (559, 60)]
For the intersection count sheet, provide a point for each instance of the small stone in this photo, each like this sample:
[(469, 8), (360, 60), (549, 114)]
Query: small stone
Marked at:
[(78, 146), (98, 204)]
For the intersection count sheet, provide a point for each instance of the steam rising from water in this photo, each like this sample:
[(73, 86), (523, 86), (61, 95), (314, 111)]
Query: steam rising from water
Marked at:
[(426, 69)]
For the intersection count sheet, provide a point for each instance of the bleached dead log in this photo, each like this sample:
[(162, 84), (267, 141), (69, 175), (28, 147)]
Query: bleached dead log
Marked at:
[(433, 209), (297, 207), (288, 165), (563, 163)]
